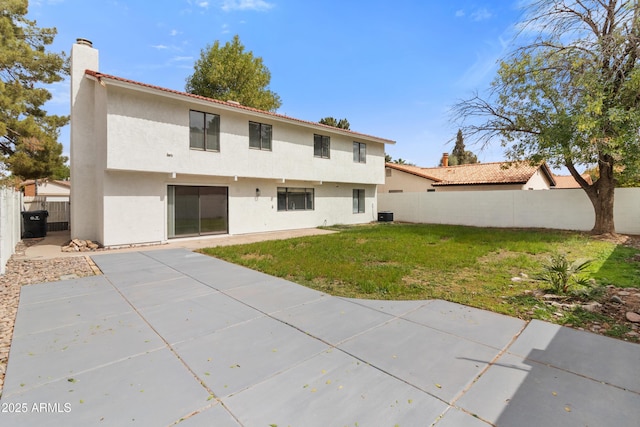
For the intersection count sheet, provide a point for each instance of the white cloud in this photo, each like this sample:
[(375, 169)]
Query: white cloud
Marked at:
[(160, 46), (174, 33), (59, 92), (257, 5), (459, 13), (481, 15), (203, 4), (181, 58)]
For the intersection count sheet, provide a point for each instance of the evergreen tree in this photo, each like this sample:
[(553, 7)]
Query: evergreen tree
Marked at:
[(331, 121), (28, 135), (460, 156)]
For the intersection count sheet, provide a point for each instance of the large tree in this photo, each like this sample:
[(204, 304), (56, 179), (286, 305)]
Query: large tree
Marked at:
[(332, 121), (28, 135), (228, 73), (570, 96)]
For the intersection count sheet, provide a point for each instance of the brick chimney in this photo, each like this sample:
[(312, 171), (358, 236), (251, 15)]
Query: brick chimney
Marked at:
[(445, 160)]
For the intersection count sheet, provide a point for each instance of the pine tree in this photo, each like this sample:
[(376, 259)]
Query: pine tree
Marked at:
[(28, 135), (332, 121), (460, 156)]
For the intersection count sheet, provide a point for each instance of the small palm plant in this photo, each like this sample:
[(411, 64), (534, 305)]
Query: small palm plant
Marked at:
[(562, 274)]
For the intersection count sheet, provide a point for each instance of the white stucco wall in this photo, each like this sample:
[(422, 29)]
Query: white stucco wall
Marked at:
[(49, 188), (333, 205), (568, 210), (404, 181), (149, 132), (135, 206), (538, 181)]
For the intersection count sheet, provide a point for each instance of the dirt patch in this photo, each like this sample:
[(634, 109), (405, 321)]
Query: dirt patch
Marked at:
[(615, 304), (256, 257), (614, 312), (630, 240)]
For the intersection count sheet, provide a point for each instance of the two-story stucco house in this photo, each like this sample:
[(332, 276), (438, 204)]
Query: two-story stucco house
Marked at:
[(150, 164)]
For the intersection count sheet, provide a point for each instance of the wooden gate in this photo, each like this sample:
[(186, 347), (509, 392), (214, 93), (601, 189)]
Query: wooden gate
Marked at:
[(59, 211)]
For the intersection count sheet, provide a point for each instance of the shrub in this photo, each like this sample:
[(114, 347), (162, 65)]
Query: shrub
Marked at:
[(562, 275)]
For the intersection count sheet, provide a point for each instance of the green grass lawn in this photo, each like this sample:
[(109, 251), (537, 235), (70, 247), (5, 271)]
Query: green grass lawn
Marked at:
[(467, 265)]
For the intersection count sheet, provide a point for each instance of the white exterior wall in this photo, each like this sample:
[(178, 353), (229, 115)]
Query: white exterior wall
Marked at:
[(567, 210), (48, 188), (404, 181), (10, 224), (137, 214), (538, 181), (144, 128)]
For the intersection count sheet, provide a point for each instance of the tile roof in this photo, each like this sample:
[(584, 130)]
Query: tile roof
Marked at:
[(100, 76), (478, 173), (567, 181), (43, 180)]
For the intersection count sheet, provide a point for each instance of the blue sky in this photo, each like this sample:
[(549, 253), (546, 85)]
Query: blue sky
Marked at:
[(392, 68)]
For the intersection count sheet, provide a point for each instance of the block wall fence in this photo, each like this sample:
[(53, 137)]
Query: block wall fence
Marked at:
[(555, 209)]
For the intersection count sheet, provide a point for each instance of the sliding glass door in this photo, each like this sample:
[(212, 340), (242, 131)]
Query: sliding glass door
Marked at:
[(194, 211)]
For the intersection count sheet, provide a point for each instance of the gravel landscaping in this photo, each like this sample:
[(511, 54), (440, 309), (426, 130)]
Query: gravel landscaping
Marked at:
[(21, 271)]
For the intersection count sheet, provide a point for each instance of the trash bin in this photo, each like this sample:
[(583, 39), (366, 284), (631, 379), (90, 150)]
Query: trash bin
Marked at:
[(385, 216), (34, 224)]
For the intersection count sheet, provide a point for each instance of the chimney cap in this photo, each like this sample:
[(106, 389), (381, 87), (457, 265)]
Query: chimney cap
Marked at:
[(85, 42)]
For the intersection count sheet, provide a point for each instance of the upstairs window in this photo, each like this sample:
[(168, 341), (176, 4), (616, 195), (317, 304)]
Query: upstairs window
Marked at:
[(359, 152), (321, 146), (204, 131), (259, 136)]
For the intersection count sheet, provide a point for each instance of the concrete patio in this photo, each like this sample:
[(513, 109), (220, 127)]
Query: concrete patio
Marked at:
[(168, 336)]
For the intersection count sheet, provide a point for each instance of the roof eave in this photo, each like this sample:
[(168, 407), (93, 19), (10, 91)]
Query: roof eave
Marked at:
[(105, 79), (444, 184), (420, 175), (547, 172)]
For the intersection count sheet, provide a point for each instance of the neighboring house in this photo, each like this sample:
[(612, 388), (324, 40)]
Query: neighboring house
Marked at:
[(568, 182), (150, 164), (468, 177), (50, 195), (53, 190)]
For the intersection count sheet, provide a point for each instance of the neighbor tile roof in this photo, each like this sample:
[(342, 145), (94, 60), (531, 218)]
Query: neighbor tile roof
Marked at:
[(43, 180), (477, 173), (567, 181), (100, 76)]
